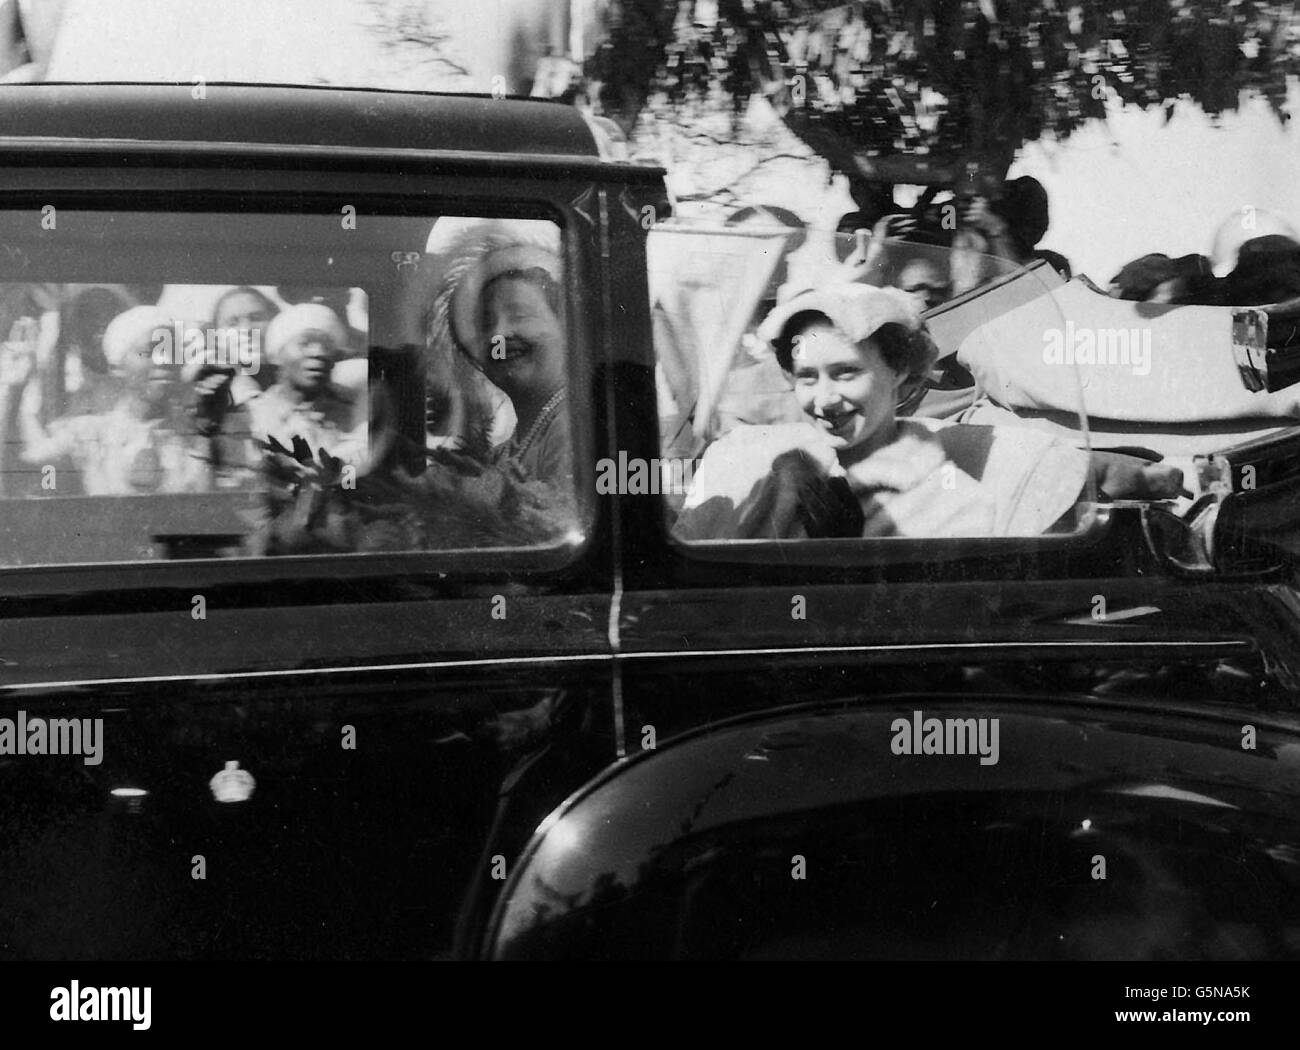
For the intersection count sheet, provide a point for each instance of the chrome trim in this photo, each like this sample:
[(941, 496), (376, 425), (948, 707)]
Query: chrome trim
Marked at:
[(1072, 643), (305, 672), (1250, 347), (652, 654)]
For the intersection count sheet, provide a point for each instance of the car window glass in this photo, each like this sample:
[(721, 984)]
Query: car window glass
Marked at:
[(870, 438), (196, 385)]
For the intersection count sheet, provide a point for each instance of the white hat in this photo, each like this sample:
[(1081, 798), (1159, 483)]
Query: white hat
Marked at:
[(304, 317), (857, 310), (129, 329), (477, 252)]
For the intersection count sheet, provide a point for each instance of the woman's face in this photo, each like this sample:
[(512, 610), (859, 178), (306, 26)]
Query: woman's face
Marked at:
[(925, 282), (151, 382), (846, 389), (249, 313), (244, 311), (525, 341), (307, 360)]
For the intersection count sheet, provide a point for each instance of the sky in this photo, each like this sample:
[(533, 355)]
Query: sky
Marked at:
[(1136, 185)]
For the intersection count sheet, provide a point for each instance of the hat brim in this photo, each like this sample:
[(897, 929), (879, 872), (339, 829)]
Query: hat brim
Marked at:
[(858, 313), (468, 296)]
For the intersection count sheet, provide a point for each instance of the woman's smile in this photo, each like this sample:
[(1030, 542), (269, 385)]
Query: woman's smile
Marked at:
[(514, 349), (837, 422), (846, 389)]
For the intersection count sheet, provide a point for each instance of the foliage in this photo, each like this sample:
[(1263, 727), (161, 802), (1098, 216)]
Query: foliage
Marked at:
[(313, 505), (949, 79)]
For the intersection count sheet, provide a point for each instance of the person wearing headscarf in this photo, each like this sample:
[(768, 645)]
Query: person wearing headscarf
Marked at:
[(303, 343), (146, 442)]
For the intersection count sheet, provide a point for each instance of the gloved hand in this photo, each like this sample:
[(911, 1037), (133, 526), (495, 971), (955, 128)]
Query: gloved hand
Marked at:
[(1126, 477)]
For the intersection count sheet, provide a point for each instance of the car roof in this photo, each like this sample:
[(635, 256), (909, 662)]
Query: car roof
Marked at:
[(286, 115)]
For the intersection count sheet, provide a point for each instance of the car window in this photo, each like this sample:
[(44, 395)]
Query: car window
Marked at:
[(948, 411), (198, 385)]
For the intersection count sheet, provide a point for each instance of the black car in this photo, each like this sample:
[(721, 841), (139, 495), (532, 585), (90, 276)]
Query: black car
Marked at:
[(324, 635)]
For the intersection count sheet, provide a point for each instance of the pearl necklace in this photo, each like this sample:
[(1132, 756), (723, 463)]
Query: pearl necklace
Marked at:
[(547, 409)]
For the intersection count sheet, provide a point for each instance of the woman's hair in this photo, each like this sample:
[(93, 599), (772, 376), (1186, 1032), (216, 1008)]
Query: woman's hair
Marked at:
[(906, 351)]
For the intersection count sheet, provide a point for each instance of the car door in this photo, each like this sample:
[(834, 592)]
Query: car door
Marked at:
[(292, 748), (804, 773)]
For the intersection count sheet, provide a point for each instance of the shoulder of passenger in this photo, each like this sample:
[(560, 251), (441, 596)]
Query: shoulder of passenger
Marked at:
[(959, 438), (773, 438)]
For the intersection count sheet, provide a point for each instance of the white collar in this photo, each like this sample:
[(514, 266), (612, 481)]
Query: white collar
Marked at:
[(915, 453)]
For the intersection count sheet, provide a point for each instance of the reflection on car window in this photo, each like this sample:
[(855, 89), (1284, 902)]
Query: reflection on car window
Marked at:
[(258, 409)]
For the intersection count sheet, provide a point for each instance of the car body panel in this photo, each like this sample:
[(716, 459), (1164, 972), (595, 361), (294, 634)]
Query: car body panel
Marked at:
[(244, 114), (1103, 831), (467, 730)]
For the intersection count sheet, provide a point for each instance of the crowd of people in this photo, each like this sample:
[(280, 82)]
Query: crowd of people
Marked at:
[(91, 407), (83, 390)]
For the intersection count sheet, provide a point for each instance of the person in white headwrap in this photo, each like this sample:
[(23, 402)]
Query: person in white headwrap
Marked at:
[(304, 343), (147, 442)]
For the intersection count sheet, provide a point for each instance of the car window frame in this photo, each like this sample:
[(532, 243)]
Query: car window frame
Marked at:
[(473, 190)]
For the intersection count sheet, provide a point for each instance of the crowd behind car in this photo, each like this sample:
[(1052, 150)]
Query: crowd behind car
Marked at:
[(95, 402), (1254, 258)]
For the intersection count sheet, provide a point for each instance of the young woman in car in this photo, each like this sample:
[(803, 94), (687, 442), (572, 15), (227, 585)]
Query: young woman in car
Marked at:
[(853, 353)]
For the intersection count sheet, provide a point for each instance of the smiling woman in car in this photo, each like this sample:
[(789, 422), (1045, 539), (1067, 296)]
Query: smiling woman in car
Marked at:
[(503, 308), (853, 354)]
